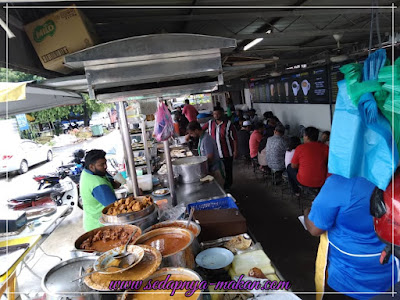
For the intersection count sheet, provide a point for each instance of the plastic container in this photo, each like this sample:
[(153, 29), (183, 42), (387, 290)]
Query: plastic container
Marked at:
[(221, 203), (97, 130), (145, 182)]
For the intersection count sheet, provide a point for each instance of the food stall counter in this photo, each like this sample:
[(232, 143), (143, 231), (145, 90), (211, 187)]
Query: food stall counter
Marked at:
[(41, 226)]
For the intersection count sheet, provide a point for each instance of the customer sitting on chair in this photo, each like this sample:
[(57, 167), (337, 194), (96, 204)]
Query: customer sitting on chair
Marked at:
[(294, 141), (309, 163), (276, 148), (255, 139), (243, 136)]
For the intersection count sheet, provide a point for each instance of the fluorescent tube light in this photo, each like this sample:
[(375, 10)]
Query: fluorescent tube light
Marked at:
[(252, 44), (6, 29)]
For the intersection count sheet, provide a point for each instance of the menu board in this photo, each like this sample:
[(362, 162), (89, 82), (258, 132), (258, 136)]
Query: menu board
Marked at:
[(310, 86)]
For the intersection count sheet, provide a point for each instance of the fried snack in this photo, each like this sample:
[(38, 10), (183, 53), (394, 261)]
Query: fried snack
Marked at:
[(238, 243), (256, 273), (128, 205)]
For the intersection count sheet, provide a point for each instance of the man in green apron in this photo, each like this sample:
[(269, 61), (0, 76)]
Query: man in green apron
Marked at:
[(208, 147), (96, 188)]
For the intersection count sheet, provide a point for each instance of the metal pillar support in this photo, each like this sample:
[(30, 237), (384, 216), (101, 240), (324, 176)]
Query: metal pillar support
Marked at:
[(170, 173), (126, 142), (146, 148)]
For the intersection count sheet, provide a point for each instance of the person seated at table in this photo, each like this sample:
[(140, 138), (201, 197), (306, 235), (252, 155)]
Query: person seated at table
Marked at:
[(275, 152), (253, 118), (96, 188), (243, 136), (309, 162), (255, 139), (294, 141), (325, 137), (269, 115), (208, 147), (270, 126)]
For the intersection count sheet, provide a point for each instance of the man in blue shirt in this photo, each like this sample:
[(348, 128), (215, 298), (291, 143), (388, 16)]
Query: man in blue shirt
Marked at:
[(96, 188), (342, 209)]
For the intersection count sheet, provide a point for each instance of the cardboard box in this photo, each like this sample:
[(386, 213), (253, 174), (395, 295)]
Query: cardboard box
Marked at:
[(58, 34)]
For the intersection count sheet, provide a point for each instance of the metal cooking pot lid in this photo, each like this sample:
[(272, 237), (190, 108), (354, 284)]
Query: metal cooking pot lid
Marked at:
[(58, 279)]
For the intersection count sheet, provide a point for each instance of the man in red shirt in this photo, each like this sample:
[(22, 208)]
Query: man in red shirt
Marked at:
[(190, 111), (309, 163), (225, 135), (255, 139)]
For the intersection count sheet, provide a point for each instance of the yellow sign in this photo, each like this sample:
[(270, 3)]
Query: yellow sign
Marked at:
[(12, 91)]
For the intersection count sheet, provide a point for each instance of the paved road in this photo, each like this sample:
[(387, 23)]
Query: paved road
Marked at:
[(16, 185)]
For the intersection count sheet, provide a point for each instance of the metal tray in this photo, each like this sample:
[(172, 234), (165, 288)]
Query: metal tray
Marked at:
[(57, 281), (124, 218), (146, 267)]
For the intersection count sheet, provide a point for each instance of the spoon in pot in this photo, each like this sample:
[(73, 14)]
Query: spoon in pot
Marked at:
[(190, 217), (123, 264), (125, 252)]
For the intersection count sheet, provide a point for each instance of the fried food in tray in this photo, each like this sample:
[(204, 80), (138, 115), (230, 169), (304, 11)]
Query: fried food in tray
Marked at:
[(128, 205)]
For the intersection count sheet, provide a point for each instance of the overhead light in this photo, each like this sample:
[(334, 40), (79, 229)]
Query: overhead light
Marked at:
[(252, 44), (275, 73), (339, 58), (255, 42), (7, 30)]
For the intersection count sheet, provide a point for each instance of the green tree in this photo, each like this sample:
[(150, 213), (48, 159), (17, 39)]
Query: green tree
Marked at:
[(16, 76)]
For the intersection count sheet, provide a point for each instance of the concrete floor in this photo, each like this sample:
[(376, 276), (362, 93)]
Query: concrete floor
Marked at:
[(271, 219)]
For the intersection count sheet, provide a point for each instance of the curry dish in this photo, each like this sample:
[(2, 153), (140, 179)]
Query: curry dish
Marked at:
[(128, 205), (147, 266), (107, 239), (180, 294), (168, 243)]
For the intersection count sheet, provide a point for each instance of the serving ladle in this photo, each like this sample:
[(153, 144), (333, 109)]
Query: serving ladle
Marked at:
[(125, 251), (123, 264)]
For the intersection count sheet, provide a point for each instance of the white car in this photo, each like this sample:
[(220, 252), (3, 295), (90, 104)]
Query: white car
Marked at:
[(100, 118), (22, 154)]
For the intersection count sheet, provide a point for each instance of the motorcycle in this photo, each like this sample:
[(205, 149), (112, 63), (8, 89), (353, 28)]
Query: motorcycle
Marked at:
[(64, 192), (72, 170), (58, 184)]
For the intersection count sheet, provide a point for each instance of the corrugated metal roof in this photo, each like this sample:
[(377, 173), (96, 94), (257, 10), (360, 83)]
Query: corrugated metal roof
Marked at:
[(295, 31)]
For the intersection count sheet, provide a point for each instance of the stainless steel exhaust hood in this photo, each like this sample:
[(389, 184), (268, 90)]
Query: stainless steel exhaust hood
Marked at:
[(168, 58), (164, 92)]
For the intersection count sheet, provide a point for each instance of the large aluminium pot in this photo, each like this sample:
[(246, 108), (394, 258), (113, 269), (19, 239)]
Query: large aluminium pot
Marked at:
[(190, 169), (128, 217), (143, 222), (175, 245), (193, 227), (180, 272)]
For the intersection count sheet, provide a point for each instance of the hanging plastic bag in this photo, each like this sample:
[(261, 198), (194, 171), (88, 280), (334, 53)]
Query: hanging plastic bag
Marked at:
[(357, 148), (389, 98), (164, 126)]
